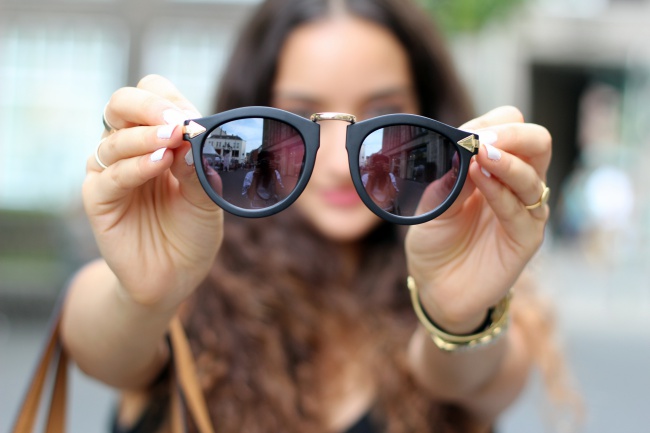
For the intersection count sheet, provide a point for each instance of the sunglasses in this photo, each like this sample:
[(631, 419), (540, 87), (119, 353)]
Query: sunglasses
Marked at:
[(256, 161)]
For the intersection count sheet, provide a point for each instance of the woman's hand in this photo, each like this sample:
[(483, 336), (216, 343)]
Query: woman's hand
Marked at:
[(156, 228), (467, 259)]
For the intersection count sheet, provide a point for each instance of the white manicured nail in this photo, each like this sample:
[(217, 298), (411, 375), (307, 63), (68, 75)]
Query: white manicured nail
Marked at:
[(158, 154), (189, 158), (174, 117), (487, 137), (165, 132), (492, 152), (485, 172)]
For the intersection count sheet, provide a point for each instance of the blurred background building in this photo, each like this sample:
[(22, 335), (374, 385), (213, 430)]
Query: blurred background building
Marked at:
[(579, 67)]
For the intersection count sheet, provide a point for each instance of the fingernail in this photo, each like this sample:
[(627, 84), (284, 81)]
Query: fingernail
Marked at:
[(165, 132), (174, 117), (189, 159), (492, 152), (485, 172), (158, 154), (487, 137)]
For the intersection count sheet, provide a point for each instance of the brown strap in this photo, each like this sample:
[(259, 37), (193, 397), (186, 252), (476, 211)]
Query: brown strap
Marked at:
[(186, 386), (28, 412), (185, 371), (56, 415), (177, 417)]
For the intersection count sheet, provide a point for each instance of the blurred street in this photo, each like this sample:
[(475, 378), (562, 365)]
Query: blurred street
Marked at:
[(603, 308)]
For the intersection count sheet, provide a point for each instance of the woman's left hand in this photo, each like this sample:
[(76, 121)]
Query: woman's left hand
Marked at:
[(467, 259)]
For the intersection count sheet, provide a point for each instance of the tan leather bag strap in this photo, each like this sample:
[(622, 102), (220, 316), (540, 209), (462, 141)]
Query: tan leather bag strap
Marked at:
[(51, 356), (57, 411), (186, 393), (188, 390)]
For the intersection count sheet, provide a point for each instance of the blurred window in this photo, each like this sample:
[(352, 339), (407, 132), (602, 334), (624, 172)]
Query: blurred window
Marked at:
[(54, 73), (60, 61), (586, 8)]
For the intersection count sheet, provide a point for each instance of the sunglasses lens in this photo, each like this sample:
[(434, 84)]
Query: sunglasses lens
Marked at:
[(408, 170), (253, 163)]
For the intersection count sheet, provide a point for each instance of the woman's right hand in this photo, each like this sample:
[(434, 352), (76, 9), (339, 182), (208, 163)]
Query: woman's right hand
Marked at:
[(155, 227)]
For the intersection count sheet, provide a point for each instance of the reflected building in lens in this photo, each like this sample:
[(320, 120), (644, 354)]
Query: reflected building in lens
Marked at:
[(286, 145), (228, 148), (414, 151)]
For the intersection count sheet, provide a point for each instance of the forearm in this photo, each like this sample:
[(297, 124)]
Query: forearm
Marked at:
[(110, 337), (484, 380)]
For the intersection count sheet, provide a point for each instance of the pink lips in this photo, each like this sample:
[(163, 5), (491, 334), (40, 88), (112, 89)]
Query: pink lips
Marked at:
[(341, 197)]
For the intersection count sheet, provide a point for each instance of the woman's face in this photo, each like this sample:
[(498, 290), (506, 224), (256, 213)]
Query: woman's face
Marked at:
[(349, 65)]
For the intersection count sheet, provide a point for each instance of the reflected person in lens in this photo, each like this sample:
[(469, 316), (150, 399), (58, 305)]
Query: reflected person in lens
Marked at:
[(262, 184), (303, 322), (381, 183)]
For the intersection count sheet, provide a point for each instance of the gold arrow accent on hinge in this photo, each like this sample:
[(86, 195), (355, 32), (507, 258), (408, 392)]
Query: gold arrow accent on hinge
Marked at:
[(470, 143), (193, 129)]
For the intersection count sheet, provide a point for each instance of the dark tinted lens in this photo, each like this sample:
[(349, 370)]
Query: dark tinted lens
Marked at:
[(408, 170), (253, 163)]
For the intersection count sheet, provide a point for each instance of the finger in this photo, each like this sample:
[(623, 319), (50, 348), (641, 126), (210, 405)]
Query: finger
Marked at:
[(505, 114), (130, 106), (130, 142), (518, 176), (540, 207), (521, 184), (163, 87), (514, 219), (189, 183), (108, 187), (457, 205), (532, 143)]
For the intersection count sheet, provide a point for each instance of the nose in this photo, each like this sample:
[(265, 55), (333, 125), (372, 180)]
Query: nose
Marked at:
[(332, 156)]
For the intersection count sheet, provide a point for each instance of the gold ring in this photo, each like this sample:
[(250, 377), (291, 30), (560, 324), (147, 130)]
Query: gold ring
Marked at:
[(543, 199), (99, 161), (107, 126)]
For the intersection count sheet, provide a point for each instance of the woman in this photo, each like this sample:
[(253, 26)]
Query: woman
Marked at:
[(302, 321), (262, 184), (381, 183)]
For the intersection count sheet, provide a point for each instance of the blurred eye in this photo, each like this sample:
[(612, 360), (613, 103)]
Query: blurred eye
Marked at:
[(306, 113), (381, 110)]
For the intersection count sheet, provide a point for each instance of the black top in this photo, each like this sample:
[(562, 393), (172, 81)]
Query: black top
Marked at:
[(152, 417), (363, 425)]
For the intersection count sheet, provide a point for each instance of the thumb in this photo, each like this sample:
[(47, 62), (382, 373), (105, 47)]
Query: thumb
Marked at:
[(184, 171)]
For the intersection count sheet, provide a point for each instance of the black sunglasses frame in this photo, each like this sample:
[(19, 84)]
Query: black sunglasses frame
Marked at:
[(466, 143)]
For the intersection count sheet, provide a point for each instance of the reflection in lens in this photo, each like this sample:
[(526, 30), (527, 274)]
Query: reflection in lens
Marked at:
[(408, 170), (253, 163)]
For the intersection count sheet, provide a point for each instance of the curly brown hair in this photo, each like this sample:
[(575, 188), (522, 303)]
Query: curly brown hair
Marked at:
[(281, 312), (275, 321)]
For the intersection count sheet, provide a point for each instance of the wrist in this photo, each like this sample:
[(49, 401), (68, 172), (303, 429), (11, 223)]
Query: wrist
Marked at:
[(466, 326), (142, 303), (449, 314), (494, 325)]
